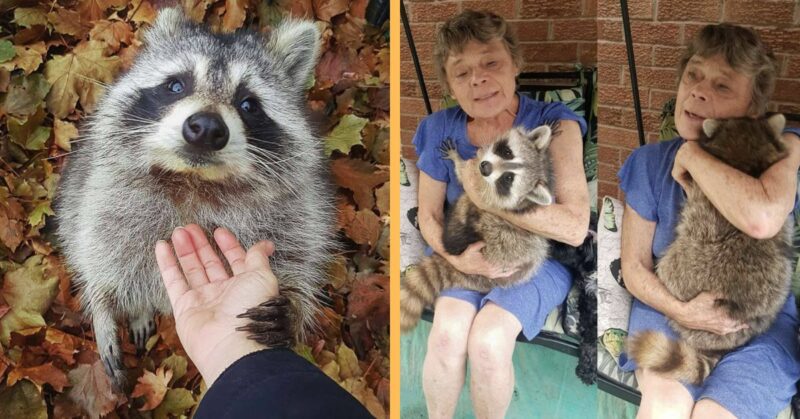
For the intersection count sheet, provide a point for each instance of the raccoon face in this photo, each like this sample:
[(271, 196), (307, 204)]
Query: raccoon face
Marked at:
[(217, 105), (749, 145), (515, 170)]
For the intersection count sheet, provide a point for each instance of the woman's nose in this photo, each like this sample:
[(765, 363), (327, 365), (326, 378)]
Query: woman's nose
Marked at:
[(699, 91), (478, 77)]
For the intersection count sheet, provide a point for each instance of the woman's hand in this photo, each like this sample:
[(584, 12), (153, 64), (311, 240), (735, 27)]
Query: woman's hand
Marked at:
[(206, 301), (472, 262), (680, 170), (701, 313)]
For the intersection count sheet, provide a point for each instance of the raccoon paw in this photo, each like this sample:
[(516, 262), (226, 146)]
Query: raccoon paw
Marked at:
[(448, 149), (111, 356), (141, 328), (270, 323)]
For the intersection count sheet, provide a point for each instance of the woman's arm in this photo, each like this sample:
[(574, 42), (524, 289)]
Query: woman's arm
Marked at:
[(641, 281), (756, 206), (431, 221), (568, 219)]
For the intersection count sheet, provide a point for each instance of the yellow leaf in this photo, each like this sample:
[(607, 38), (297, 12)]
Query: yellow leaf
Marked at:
[(112, 33), (153, 387), (29, 16), (65, 132), (348, 362), (29, 294), (68, 22), (175, 402), (23, 401), (79, 75), (331, 369), (235, 13), (27, 58)]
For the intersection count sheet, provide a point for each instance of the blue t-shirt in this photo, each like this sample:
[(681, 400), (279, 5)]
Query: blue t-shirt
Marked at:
[(452, 123), (646, 179)]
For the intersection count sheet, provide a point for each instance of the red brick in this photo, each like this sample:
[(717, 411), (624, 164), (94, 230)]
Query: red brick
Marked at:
[(575, 30), (506, 9), (759, 12), (423, 32), (637, 9), (408, 72), (590, 8), (612, 136), (618, 117), (667, 56), (783, 40), (549, 9), (409, 89), (792, 68), (432, 12), (616, 53), (620, 95), (651, 120), (607, 172), (408, 152), (609, 73), (406, 137), (587, 53), (534, 67), (609, 30), (690, 30), (409, 122), (689, 10), (607, 189), (786, 90), (659, 97), (528, 31), (609, 155), (789, 108), (546, 52), (658, 78), (413, 106), (656, 33), (560, 67)]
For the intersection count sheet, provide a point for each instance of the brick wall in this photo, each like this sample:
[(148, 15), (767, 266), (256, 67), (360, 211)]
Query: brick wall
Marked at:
[(554, 35), (660, 30)]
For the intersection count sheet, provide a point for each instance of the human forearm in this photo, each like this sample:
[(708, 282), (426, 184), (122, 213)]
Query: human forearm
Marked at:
[(560, 222), (643, 284)]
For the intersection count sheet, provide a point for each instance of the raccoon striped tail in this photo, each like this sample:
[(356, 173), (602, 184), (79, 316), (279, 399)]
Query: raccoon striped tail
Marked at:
[(670, 358), (420, 287)]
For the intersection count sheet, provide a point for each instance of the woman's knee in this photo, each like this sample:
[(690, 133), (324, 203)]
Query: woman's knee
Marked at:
[(448, 337), (492, 338)]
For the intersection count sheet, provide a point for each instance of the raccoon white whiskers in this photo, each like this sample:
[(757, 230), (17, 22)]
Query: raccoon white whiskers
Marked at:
[(207, 129)]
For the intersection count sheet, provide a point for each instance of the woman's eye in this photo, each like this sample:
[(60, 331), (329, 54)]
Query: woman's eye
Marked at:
[(461, 75), (722, 88), (175, 86), (491, 63), (248, 105)]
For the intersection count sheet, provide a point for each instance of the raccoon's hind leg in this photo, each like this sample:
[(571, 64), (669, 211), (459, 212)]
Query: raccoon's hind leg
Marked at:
[(142, 326), (108, 345), (270, 323)]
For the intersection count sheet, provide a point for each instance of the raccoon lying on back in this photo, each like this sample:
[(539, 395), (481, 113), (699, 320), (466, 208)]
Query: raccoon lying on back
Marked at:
[(208, 129), (710, 254), (516, 177)]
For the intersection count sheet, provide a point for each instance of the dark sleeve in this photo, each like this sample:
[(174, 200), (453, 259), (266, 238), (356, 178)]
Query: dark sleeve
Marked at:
[(277, 383)]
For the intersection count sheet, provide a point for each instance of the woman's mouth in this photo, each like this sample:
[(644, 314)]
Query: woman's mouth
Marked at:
[(485, 97), (694, 116)]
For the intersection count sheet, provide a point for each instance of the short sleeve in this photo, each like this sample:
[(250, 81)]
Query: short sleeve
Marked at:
[(636, 179), (795, 131), (556, 111), (427, 141)]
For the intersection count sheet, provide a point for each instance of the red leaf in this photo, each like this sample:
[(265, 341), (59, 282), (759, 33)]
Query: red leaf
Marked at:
[(91, 389), (326, 9), (40, 375), (153, 387), (360, 177)]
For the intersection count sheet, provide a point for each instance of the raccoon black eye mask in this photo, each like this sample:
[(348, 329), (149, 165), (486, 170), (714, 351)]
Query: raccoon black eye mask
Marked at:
[(207, 129)]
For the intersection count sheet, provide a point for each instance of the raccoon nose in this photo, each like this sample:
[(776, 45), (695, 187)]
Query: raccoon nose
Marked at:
[(206, 130), (486, 168)]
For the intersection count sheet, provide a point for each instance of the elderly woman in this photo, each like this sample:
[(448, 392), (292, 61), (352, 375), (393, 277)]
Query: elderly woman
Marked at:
[(725, 73), (478, 60)]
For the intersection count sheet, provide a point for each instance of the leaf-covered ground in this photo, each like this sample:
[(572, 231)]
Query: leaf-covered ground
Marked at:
[(55, 58)]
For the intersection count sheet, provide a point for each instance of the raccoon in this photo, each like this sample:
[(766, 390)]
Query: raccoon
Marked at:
[(209, 129), (710, 254), (516, 177)]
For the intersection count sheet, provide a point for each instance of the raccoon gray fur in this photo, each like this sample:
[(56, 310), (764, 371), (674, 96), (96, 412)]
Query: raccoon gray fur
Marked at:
[(516, 175), (209, 129), (710, 254)]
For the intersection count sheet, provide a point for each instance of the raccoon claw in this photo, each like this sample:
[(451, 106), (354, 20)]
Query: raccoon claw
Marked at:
[(115, 369), (447, 148), (141, 330), (270, 323)]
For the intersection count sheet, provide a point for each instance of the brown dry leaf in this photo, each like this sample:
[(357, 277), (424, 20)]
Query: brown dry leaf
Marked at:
[(40, 375), (195, 9), (143, 12), (113, 33), (360, 177), (62, 345), (339, 63), (326, 9), (93, 10), (338, 273), (175, 403), (358, 8), (153, 387), (364, 228), (302, 9), (28, 58), (91, 389), (235, 13), (382, 199), (69, 22), (64, 133), (76, 74), (29, 16), (29, 291), (12, 232), (369, 301), (359, 389)]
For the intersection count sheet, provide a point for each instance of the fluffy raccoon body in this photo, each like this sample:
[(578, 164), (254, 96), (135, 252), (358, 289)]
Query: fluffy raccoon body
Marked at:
[(710, 254), (254, 168), (516, 177)]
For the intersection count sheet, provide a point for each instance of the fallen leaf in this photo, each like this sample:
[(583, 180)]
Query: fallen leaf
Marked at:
[(12, 232), (64, 133), (364, 228), (143, 12), (23, 401), (177, 365), (176, 402), (6, 50), (369, 301), (331, 369), (196, 9), (361, 177), (382, 198), (235, 13), (345, 135), (96, 9), (29, 293), (91, 389), (27, 58), (326, 9), (40, 375), (69, 22), (153, 387), (76, 75), (25, 94), (61, 345), (348, 362), (38, 213), (358, 388), (29, 16), (113, 33)]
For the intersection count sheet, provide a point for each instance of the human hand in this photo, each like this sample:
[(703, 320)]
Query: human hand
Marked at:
[(472, 262), (680, 171), (207, 302), (702, 313)]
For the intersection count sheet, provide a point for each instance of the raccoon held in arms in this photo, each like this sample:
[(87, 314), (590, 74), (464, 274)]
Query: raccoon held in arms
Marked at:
[(516, 177), (710, 254), (209, 129)]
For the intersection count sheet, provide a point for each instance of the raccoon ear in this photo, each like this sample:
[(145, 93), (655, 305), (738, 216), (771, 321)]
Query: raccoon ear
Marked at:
[(296, 44), (541, 136), (709, 126), (166, 26), (777, 122), (541, 195)]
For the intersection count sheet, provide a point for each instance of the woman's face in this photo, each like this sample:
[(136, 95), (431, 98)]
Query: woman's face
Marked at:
[(482, 78), (710, 88)]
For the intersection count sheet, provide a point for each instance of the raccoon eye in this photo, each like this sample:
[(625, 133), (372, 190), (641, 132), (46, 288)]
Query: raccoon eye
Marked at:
[(507, 178), (175, 86), (249, 105)]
